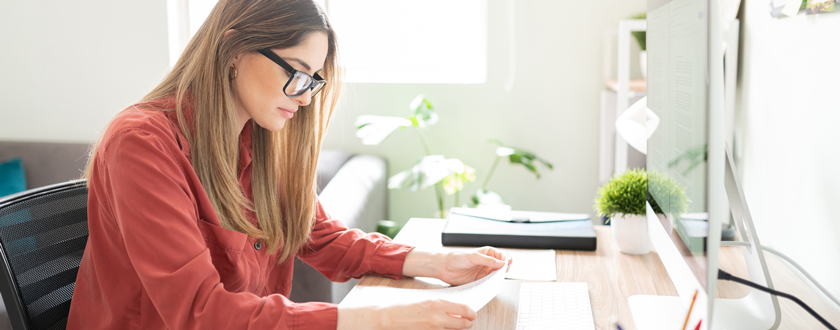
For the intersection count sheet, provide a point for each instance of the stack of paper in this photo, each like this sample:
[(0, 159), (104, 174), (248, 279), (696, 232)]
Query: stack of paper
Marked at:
[(475, 294)]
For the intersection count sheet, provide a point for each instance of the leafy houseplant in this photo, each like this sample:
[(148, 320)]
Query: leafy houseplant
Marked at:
[(624, 194), (623, 198), (641, 39), (446, 175), (640, 36), (662, 187)]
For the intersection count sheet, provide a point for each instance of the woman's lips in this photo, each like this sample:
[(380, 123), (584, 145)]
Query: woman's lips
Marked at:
[(287, 113)]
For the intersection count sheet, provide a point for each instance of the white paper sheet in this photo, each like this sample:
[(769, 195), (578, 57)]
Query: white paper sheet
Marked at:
[(534, 265), (474, 294)]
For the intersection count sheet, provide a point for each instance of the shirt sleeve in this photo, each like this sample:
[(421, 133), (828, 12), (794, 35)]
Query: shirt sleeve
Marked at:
[(340, 253), (147, 189)]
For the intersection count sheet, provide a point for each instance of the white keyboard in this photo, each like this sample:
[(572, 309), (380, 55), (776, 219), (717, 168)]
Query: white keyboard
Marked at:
[(554, 305)]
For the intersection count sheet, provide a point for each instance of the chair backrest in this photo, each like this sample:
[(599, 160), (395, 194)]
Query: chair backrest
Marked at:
[(43, 233)]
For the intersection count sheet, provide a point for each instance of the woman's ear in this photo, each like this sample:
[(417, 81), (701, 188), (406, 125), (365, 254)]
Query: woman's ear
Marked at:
[(229, 33)]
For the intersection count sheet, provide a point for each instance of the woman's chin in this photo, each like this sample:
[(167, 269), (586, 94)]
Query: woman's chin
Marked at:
[(274, 125)]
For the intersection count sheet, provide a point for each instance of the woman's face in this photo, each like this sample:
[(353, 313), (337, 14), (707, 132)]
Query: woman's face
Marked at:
[(258, 85)]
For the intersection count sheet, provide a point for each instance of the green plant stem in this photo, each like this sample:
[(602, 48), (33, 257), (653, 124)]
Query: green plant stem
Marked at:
[(438, 188), (457, 195), (423, 141), (492, 168)]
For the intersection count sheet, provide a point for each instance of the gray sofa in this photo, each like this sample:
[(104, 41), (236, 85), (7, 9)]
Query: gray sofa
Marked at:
[(352, 188)]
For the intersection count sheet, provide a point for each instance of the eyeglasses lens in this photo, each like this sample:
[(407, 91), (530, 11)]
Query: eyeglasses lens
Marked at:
[(298, 84)]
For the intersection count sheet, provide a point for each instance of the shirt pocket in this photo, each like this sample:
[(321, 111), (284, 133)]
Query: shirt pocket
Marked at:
[(226, 250)]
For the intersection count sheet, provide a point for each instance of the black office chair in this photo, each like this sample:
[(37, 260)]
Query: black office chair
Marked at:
[(43, 233)]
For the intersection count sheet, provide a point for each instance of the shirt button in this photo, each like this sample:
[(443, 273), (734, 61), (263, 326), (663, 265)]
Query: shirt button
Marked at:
[(258, 245)]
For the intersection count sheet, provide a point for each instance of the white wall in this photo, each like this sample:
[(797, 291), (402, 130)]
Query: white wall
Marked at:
[(788, 116), (553, 109), (71, 66), (66, 67)]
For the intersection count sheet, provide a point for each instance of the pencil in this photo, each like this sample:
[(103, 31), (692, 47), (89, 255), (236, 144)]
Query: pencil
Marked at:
[(689, 309)]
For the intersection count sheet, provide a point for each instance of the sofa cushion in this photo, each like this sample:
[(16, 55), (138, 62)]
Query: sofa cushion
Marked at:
[(12, 178), (328, 164)]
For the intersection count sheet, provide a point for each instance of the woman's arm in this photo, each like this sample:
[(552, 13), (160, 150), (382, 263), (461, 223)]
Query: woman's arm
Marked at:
[(341, 253)]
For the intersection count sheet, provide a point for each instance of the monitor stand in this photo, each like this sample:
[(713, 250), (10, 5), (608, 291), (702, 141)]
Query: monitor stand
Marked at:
[(668, 312), (758, 310), (657, 312)]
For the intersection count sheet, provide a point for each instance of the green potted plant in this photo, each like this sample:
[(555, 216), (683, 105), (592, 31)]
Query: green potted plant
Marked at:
[(641, 38), (673, 197), (622, 200)]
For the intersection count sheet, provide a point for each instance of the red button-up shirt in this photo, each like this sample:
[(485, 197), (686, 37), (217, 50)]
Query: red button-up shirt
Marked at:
[(158, 258)]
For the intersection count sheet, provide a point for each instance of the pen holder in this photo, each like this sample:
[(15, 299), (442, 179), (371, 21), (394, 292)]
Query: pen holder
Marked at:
[(631, 233)]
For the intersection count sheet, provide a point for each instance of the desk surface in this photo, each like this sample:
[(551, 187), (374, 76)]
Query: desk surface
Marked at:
[(612, 277)]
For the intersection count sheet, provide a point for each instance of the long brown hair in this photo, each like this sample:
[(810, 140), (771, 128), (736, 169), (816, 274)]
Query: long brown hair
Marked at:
[(284, 162)]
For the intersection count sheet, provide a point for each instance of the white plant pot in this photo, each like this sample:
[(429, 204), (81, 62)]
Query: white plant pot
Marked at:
[(643, 63), (631, 233)]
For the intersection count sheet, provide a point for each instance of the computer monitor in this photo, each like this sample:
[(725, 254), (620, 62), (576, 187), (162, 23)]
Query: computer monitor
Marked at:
[(685, 89)]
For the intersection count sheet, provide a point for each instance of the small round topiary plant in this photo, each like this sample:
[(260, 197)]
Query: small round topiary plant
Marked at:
[(664, 189), (624, 193)]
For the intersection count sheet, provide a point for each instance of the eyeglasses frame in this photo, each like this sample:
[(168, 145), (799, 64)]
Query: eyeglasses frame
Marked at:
[(285, 65)]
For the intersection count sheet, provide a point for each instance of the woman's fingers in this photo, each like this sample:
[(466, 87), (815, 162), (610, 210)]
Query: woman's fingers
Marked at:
[(490, 251), (457, 309), (493, 252), (459, 316), (487, 261)]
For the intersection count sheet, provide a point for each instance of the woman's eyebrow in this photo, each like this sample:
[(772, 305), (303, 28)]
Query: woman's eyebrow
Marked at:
[(305, 66)]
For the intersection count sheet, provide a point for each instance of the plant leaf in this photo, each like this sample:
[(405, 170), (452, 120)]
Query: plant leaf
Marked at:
[(400, 180), (423, 110), (504, 151), (520, 156), (375, 129), (487, 197)]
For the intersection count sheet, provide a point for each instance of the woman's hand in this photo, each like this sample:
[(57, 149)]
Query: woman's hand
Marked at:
[(464, 267), (432, 314), (455, 268)]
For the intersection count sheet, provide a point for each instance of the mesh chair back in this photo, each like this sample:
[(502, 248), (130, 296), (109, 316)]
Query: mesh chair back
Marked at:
[(43, 233)]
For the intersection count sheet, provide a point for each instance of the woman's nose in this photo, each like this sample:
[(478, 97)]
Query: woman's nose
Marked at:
[(304, 99)]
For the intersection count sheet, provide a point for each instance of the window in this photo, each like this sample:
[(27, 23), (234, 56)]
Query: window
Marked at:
[(184, 18), (385, 41), (409, 41)]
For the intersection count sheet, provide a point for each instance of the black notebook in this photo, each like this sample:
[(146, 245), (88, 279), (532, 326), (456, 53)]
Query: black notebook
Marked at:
[(465, 230)]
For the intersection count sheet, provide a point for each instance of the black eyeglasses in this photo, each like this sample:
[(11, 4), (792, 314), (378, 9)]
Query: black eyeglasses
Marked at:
[(299, 81)]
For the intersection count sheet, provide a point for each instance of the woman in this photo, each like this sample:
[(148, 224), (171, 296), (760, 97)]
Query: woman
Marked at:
[(202, 194)]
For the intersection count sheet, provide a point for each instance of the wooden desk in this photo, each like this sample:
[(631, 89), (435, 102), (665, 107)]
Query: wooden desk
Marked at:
[(612, 277)]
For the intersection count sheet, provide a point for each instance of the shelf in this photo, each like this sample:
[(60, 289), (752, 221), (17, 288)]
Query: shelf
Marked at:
[(634, 85)]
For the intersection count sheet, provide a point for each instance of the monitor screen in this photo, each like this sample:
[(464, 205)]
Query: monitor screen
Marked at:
[(677, 151)]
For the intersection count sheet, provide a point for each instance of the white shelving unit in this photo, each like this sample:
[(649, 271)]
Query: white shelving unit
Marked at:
[(615, 155)]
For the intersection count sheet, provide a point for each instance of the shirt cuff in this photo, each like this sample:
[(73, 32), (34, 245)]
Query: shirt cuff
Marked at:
[(389, 258), (316, 315)]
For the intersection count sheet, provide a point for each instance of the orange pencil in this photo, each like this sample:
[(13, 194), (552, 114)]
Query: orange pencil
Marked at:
[(689, 309)]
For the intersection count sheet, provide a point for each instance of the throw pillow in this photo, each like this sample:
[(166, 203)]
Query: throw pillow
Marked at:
[(12, 179)]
